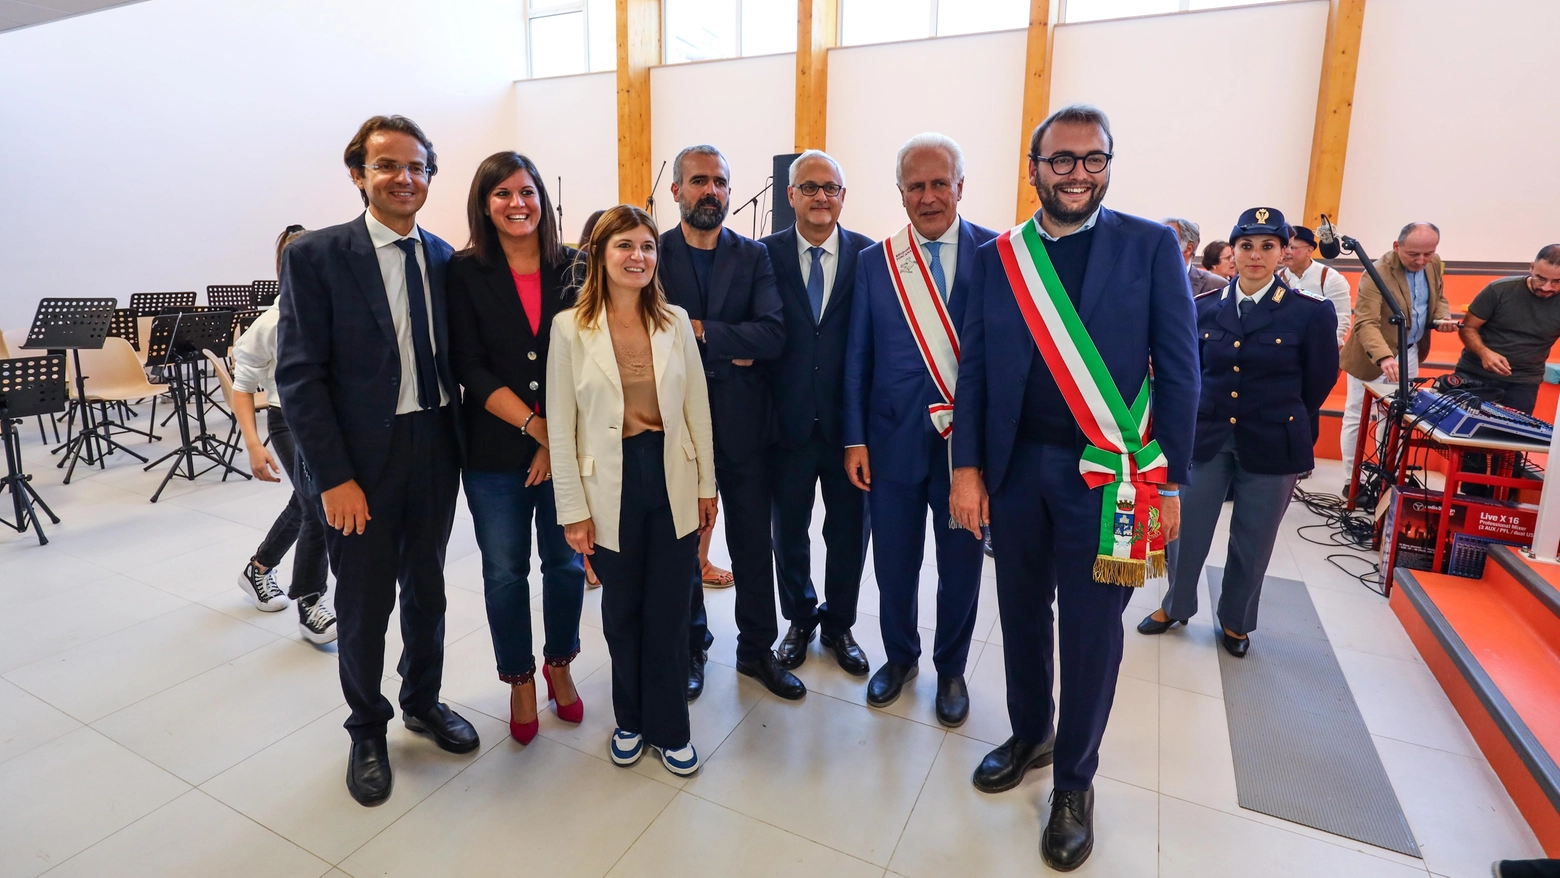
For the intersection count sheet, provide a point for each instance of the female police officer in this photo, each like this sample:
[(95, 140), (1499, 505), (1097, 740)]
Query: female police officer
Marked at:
[(1269, 359)]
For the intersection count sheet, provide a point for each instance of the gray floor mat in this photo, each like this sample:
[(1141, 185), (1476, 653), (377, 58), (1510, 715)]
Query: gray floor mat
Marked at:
[(1302, 751)]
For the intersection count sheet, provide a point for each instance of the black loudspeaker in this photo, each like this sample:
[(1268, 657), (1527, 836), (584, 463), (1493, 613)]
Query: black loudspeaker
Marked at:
[(784, 217)]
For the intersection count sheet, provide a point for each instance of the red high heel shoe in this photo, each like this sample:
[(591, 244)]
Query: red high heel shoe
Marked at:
[(525, 733), (569, 713)]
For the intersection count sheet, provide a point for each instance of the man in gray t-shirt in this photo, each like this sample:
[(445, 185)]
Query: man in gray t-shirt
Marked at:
[(1509, 330)]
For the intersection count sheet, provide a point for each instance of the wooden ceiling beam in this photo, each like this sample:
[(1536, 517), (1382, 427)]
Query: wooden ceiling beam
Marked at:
[(638, 50), (1334, 107)]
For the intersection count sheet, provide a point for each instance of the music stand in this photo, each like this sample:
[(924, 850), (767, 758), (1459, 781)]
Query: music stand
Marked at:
[(175, 348), (152, 304), (266, 292), (73, 325), (28, 386), (235, 296)]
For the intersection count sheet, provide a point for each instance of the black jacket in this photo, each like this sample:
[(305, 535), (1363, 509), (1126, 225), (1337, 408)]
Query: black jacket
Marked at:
[(1264, 380), (742, 320), (809, 375), (492, 346), (338, 368)]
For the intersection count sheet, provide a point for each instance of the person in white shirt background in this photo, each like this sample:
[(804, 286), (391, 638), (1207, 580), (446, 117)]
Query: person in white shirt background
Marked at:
[(299, 524), (1302, 272)]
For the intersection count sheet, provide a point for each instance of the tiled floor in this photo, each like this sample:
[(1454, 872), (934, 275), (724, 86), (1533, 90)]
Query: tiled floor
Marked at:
[(153, 724)]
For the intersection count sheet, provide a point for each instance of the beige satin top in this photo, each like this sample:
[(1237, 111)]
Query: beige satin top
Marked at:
[(636, 369)]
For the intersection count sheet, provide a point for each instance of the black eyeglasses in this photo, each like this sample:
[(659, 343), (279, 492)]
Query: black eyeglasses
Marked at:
[(1062, 165), (829, 189), (394, 169)]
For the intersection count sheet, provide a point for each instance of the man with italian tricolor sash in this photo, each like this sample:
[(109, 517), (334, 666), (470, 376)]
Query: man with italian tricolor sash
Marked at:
[(1078, 388), (901, 372)]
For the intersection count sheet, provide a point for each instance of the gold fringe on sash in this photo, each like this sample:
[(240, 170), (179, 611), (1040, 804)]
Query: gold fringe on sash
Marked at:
[(1131, 572)]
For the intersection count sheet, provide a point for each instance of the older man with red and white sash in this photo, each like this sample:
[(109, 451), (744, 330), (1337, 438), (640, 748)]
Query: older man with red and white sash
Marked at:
[(901, 372), (1078, 385)]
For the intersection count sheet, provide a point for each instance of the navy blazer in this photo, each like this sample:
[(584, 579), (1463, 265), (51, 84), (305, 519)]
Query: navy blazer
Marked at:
[(809, 375), (1136, 304), (887, 387), (338, 368), (742, 320), (1265, 381)]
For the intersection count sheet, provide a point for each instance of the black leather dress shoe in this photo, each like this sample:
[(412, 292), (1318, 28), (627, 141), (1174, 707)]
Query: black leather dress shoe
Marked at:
[(1150, 625), (953, 700), (1068, 837), (696, 674), (776, 679), (884, 687), (368, 772), (1235, 646), (1004, 768), (793, 646), (446, 727), (847, 652)]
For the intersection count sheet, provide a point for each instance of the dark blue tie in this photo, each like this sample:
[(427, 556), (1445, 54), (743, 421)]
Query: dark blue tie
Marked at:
[(815, 283), (422, 344)]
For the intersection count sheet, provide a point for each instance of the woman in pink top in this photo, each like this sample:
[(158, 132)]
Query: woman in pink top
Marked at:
[(504, 290)]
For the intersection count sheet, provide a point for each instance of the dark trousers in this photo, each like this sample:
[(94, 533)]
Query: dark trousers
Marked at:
[(644, 600), (502, 509), (745, 490), (299, 524), (1511, 394), (845, 532), (1260, 503), (898, 512), (1045, 523), (413, 509)]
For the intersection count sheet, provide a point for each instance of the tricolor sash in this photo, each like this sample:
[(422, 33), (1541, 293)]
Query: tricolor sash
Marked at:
[(1122, 458), (927, 315)]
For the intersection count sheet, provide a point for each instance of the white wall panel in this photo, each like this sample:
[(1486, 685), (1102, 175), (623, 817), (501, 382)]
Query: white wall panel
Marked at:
[(969, 88), (745, 107), (1212, 111), (164, 145), (568, 127), (1453, 123)]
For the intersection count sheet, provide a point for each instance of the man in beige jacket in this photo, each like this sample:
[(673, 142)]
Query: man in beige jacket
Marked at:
[(1413, 274)]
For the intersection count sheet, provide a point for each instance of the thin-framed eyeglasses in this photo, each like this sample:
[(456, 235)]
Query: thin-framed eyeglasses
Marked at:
[(1062, 165), (810, 189), (394, 169)]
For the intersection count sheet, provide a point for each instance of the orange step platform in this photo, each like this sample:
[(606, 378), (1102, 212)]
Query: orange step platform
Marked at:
[(1494, 645)]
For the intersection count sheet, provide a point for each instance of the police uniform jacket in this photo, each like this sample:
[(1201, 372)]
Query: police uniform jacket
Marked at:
[(1264, 379)]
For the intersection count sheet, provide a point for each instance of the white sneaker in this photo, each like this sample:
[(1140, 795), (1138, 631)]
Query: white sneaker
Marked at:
[(261, 588), (626, 747), (316, 620), (682, 762)]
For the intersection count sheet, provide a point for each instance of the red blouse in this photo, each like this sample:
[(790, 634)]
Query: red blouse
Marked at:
[(530, 288)]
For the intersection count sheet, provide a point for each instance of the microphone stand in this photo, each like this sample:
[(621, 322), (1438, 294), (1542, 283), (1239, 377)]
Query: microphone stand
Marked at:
[(1399, 405), (754, 201)]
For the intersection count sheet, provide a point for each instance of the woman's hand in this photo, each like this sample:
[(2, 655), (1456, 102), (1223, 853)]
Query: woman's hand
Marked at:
[(541, 468), (581, 536), (708, 510), (262, 464), (538, 430)]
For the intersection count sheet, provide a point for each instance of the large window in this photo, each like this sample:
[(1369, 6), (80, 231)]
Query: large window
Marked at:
[(1095, 10), (882, 21), (699, 30), (570, 36)]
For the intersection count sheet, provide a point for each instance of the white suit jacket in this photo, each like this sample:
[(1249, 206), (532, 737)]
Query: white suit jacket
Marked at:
[(585, 423)]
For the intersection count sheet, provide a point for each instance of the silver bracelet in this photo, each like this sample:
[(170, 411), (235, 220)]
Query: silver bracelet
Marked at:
[(527, 425)]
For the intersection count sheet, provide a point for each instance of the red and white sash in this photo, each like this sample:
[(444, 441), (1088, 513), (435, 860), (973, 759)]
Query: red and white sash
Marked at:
[(927, 315)]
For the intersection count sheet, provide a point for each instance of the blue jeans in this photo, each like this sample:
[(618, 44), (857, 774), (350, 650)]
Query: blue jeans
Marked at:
[(501, 510)]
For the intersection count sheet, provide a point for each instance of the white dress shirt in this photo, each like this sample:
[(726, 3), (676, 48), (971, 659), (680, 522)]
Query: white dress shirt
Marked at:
[(1256, 297), (1087, 225), (1330, 284), (830, 261), (948, 256), (254, 357), (392, 268)]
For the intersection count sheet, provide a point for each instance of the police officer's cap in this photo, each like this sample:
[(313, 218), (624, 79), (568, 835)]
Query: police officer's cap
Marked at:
[(1261, 221), (1303, 234)]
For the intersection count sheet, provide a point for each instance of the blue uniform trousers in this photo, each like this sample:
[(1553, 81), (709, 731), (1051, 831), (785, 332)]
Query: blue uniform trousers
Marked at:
[(898, 516), (1045, 526)]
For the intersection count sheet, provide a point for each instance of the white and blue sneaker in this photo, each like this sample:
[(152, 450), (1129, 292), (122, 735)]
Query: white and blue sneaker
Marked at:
[(682, 761), (626, 747)]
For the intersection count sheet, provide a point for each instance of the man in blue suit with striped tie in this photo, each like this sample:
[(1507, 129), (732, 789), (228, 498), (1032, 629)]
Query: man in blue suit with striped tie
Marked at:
[(901, 366)]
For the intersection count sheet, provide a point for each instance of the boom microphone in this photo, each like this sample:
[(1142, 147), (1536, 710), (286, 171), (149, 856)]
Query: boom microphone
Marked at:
[(1327, 239)]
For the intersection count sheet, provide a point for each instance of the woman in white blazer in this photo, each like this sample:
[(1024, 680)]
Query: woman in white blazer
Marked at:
[(633, 467)]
